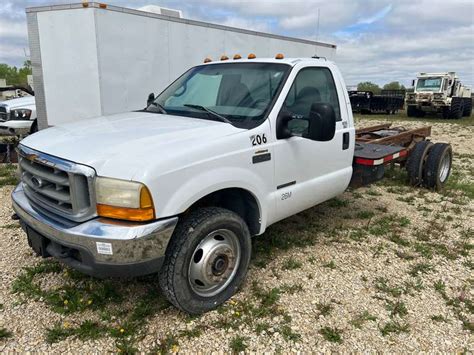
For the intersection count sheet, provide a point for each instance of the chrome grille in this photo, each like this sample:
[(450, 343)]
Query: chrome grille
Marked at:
[(56, 185)]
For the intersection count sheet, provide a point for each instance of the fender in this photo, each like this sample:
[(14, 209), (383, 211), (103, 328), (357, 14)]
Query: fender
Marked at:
[(207, 182)]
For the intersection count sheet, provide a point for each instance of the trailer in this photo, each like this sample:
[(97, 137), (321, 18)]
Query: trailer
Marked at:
[(366, 102), (427, 164), (92, 59)]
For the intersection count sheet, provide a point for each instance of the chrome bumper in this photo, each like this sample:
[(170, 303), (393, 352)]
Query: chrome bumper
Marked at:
[(105, 246)]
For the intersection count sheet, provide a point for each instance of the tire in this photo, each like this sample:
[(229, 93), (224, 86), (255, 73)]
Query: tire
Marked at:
[(416, 162), (467, 112), (446, 113), (412, 111), (456, 108), (34, 127), (438, 166), (187, 278)]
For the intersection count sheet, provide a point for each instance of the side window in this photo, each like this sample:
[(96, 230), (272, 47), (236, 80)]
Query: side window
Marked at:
[(312, 85)]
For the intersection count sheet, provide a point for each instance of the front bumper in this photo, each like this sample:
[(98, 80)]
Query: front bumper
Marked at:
[(100, 247)]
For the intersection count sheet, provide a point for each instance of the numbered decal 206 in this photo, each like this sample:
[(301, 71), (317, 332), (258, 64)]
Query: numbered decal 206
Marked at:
[(258, 139)]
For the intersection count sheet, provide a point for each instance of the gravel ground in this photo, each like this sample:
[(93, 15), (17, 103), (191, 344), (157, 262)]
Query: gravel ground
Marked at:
[(384, 268)]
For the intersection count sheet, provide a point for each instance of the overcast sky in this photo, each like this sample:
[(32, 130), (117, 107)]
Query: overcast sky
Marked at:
[(377, 40)]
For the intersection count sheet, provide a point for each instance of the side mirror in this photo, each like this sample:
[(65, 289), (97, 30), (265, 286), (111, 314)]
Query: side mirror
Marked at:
[(151, 98), (322, 122), (282, 129), (413, 83)]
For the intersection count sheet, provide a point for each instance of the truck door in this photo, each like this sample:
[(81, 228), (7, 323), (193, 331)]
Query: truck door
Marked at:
[(308, 172)]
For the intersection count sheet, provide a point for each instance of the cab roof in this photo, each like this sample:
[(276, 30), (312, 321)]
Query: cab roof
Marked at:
[(290, 61)]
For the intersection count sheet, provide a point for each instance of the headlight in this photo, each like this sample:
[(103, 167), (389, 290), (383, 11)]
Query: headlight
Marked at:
[(123, 199), (438, 96), (20, 114)]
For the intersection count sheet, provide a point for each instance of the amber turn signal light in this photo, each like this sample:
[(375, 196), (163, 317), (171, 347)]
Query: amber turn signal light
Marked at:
[(123, 213)]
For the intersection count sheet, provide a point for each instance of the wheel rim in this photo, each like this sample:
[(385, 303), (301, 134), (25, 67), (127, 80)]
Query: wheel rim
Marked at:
[(445, 166), (214, 263)]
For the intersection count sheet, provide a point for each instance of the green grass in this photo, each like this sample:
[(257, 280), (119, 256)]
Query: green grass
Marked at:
[(8, 175), (395, 328), (238, 344), (324, 309), (397, 308), (4, 334), (365, 214), (288, 334), (330, 265), (291, 264), (381, 284), (438, 318), (359, 320), (11, 226), (420, 268), (333, 335)]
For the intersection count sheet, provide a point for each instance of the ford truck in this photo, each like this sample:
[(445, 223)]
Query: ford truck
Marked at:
[(180, 187)]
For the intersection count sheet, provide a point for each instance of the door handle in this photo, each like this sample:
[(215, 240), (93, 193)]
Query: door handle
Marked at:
[(345, 140)]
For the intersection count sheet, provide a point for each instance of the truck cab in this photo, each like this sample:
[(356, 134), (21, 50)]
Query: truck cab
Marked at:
[(18, 116), (439, 93), (179, 188)]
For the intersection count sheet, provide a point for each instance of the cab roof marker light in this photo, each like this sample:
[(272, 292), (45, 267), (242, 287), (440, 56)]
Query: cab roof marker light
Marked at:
[(102, 6), (279, 56), (85, 4), (224, 57), (237, 56), (252, 56), (207, 60)]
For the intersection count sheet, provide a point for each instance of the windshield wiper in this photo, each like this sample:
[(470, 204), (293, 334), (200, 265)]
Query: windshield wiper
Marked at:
[(213, 113), (162, 109)]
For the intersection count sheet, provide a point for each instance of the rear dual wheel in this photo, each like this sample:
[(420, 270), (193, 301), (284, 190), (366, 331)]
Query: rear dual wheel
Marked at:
[(429, 164), (206, 260), (438, 166)]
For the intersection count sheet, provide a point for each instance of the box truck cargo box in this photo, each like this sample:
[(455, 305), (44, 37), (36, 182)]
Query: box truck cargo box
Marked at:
[(92, 59)]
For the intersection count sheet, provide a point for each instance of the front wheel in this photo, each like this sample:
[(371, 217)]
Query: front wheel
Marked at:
[(206, 260)]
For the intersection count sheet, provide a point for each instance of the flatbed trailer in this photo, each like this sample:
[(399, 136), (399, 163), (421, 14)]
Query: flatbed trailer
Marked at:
[(367, 102), (427, 164)]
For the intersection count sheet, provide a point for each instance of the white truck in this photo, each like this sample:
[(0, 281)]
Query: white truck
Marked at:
[(179, 188), (18, 116), (439, 93)]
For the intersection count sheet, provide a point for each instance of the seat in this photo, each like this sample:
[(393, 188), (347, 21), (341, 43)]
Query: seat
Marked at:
[(234, 93), (305, 98)]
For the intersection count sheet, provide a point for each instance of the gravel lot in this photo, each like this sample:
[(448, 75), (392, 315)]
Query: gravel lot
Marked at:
[(383, 268)]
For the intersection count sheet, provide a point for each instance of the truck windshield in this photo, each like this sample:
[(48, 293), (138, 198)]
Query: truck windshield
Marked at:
[(240, 93), (429, 84)]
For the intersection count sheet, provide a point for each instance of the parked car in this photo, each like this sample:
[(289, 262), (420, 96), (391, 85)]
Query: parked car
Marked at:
[(18, 116)]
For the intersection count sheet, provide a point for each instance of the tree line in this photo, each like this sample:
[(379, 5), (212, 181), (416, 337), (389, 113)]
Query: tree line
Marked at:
[(369, 86), (14, 75)]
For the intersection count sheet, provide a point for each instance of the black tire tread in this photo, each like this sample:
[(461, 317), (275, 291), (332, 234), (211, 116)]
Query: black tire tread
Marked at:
[(430, 172), (416, 161), (456, 109), (467, 112), (176, 242)]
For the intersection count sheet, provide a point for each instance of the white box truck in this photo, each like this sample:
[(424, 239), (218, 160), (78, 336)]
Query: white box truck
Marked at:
[(92, 59)]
